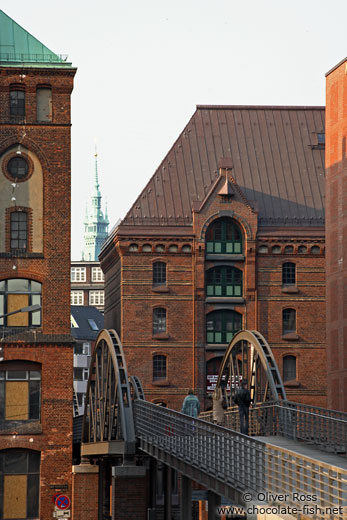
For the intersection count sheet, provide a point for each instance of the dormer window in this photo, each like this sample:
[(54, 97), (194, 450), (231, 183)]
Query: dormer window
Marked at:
[(223, 236)]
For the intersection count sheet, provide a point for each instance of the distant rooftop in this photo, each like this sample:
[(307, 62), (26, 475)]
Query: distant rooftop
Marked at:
[(20, 48)]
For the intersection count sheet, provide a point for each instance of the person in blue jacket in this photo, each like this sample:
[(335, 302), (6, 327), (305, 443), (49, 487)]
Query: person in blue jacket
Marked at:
[(191, 405)]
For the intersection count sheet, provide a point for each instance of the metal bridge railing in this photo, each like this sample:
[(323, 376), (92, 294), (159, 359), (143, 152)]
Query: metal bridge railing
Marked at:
[(323, 428), (240, 462)]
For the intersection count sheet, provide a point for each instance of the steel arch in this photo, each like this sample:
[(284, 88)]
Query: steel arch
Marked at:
[(108, 407), (261, 354)]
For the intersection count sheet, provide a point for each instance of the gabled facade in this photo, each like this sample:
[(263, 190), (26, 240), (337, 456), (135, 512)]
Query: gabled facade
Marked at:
[(227, 234), (36, 372)]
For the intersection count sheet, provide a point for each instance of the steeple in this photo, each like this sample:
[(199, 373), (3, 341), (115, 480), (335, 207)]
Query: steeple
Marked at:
[(95, 223)]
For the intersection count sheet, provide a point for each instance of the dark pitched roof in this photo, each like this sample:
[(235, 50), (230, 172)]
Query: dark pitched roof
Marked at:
[(275, 157), (82, 314)]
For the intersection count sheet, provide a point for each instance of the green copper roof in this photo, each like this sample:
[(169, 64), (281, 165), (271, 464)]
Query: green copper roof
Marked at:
[(20, 48)]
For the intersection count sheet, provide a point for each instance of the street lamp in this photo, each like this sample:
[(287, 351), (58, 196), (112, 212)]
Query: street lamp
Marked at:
[(31, 308)]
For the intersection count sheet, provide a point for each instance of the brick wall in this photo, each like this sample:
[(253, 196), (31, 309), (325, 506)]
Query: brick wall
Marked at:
[(336, 236)]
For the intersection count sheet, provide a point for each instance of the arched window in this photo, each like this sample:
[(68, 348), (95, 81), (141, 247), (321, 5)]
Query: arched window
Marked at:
[(223, 236), (159, 273), (159, 367), (224, 281), (44, 104), (288, 321), (19, 483), (159, 320), (19, 230), (288, 273), (17, 102), (289, 368), (20, 392), (16, 294), (222, 325)]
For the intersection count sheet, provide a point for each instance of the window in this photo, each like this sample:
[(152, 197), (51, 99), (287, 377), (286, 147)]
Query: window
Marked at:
[(159, 367), (96, 297), (302, 250), (186, 249), (16, 294), (73, 322), (288, 274), (43, 104), (321, 138), (18, 169), (276, 250), (289, 250), (315, 250), (160, 248), (78, 374), (78, 274), (19, 230), (20, 392), (289, 321), (224, 281), (173, 248), (289, 368), (93, 325), (17, 103), (263, 249), (82, 348), (76, 298), (222, 325), (97, 274), (133, 248), (159, 273), (19, 484), (223, 236), (159, 320), (147, 248)]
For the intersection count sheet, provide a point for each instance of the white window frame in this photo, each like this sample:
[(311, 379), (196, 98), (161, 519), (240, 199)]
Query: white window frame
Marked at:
[(78, 274), (96, 297), (76, 298), (86, 348), (97, 274)]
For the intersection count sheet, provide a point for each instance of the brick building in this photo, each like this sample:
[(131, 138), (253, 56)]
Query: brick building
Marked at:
[(87, 284), (227, 234), (35, 407), (336, 236)]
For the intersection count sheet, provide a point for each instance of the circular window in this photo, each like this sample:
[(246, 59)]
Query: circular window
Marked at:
[(18, 168)]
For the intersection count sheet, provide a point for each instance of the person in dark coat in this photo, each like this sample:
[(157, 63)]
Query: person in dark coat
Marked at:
[(191, 405), (243, 401)]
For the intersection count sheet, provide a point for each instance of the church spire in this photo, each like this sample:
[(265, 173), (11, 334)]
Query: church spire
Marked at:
[(95, 224)]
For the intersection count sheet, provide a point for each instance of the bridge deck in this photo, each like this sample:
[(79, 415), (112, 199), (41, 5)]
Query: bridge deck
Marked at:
[(303, 448)]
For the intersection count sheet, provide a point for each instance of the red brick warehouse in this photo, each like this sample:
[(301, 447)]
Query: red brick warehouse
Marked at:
[(227, 234), (36, 373)]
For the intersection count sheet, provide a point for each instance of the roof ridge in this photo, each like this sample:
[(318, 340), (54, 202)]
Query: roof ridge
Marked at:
[(260, 107)]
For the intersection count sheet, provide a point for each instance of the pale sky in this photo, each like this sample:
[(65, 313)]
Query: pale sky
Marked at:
[(144, 65)]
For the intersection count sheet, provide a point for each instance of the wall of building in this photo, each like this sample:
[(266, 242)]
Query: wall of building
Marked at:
[(336, 235)]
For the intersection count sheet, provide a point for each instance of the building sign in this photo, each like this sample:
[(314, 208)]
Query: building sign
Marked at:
[(211, 382)]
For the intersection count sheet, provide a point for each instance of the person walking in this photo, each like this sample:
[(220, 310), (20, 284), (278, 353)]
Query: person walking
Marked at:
[(218, 411), (243, 401), (191, 405)]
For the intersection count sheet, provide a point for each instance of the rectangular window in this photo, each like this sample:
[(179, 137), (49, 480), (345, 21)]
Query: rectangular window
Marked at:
[(96, 297), (19, 230), (86, 348), (76, 298), (17, 103), (78, 274), (20, 395), (78, 374), (97, 274)]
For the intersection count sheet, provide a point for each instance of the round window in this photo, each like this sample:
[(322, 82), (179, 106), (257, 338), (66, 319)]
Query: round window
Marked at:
[(18, 168)]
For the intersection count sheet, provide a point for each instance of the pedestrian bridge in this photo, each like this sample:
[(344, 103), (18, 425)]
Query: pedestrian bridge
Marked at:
[(294, 460)]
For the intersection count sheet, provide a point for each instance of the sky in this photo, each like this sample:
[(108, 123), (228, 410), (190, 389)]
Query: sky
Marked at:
[(144, 65)]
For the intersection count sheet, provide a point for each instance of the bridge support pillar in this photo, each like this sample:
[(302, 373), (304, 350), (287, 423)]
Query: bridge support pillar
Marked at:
[(186, 498), (167, 492), (214, 501)]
